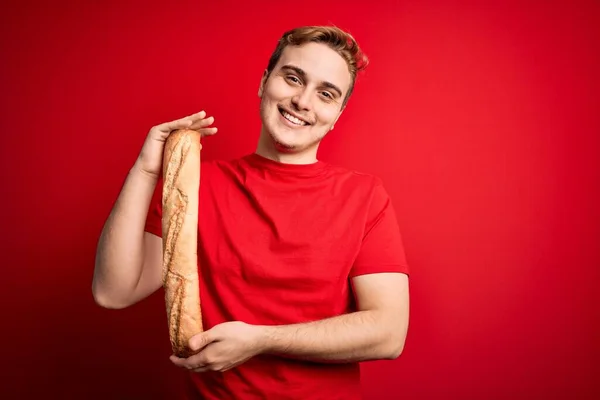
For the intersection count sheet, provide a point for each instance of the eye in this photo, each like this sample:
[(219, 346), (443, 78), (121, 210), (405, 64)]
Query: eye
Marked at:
[(327, 95), (293, 79)]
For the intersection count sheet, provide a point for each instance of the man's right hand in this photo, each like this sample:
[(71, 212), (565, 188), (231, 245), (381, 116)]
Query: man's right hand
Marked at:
[(150, 158)]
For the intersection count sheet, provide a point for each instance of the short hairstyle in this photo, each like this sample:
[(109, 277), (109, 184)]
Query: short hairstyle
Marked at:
[(340, 41)]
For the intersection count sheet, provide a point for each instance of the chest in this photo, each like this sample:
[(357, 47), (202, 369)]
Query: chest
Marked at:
[(279, 235)]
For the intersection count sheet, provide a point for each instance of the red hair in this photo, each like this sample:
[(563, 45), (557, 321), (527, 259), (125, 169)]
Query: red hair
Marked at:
[(340, 41)]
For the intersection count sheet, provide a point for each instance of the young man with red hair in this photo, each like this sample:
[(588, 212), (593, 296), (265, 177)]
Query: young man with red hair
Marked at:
[(303, 273)]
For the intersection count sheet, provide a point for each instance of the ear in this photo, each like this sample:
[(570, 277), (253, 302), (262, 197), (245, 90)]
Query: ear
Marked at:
[(262, 83)]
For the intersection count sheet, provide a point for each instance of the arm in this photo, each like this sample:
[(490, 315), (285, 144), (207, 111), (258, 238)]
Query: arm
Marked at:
[(380, 280), (128, 260), (376, 331)]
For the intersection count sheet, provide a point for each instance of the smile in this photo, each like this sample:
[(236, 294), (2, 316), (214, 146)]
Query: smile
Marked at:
[(292, 119)]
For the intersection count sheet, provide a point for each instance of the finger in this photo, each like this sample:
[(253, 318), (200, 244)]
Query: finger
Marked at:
[(202, 123), (181, 123), (209, 367), (201, 340), (208, 131), (189, 364), (181, 362), (168, 127)]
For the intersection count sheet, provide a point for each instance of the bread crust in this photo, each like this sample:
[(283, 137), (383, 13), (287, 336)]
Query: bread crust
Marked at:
[(181, 185)]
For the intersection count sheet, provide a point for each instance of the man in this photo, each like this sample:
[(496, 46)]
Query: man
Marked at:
[(302, 269)]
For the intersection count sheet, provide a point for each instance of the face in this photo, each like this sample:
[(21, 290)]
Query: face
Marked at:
[(302, 98)]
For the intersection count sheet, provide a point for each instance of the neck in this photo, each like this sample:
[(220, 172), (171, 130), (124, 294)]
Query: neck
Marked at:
[(266, 148)]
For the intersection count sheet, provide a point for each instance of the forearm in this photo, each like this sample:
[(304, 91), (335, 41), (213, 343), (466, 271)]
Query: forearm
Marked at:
[(358, 336), (120, 251)]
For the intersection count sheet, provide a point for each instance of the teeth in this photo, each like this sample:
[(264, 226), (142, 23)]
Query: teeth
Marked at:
[(293, 119)]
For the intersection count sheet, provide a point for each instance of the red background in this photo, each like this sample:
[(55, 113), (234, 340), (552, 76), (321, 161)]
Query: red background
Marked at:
[(481, 118)]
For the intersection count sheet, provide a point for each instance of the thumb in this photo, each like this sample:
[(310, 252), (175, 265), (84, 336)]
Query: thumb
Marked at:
[(200, 340)]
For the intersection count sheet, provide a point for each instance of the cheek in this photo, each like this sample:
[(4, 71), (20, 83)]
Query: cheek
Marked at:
[(328, 115), (276, 91)]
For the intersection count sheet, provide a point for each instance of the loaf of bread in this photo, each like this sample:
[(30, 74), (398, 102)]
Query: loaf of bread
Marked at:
[(181, 173)]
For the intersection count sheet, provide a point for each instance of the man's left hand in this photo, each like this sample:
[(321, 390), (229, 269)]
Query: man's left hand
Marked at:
[(224, 346)]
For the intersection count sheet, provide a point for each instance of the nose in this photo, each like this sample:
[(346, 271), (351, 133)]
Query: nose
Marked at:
[(302, 100)]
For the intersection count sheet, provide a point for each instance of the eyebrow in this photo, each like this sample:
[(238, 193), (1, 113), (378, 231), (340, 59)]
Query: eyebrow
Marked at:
[(303, 74)]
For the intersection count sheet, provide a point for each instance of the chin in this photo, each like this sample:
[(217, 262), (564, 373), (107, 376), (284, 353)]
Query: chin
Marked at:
[(286, 139), (284, 146)]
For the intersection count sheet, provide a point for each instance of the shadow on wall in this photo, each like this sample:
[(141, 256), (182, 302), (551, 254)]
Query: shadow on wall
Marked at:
[(83, 351)]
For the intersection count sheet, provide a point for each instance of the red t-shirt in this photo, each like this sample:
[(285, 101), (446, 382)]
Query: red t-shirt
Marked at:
[(278, 244)]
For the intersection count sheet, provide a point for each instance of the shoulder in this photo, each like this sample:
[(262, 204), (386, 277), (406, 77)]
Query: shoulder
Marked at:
[(359, 180), (366, 191)]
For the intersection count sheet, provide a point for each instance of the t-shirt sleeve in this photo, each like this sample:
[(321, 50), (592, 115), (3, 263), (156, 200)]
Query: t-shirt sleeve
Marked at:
[(154, 218), (382, 249)]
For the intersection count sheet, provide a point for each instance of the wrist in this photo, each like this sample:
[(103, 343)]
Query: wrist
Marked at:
[(138, 170), (265, 339)]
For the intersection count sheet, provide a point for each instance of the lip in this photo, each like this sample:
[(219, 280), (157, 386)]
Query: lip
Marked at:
[(294, 115)]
